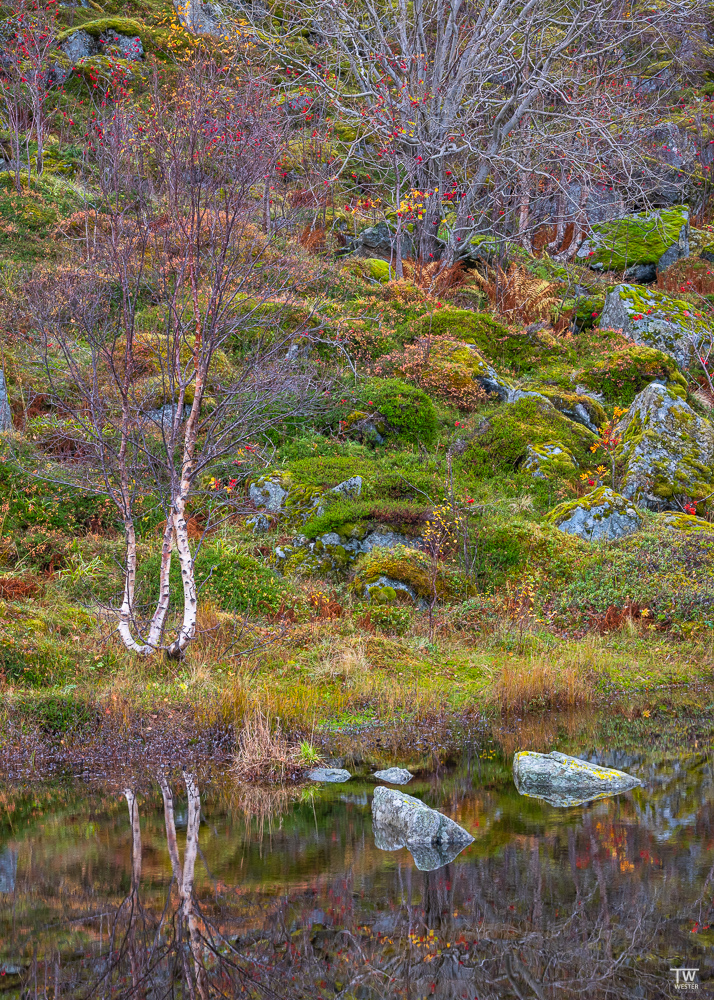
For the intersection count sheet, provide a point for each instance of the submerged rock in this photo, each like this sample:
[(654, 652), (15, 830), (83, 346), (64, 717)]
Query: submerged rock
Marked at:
[(649, 317), (667, 449), (600, 515), (400, 820), (564, 780), (394, 775), (334, 775)]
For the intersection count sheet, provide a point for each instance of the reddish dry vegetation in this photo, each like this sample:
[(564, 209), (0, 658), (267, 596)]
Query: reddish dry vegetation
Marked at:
[(14, 587)]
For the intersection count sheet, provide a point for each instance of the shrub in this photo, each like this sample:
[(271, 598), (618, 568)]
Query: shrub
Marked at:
[(406, 408), (59, 714), (235, 582), (395, 620), (624, 372), (519, 350), (444, 367)]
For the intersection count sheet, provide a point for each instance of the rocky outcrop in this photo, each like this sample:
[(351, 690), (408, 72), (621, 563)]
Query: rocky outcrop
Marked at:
[(394, 775), (336, 553), (567, 781), (549, 461), (602, 515), (279, 495), (651, 318), (200, 18), (657, 238), (667, 450), (267, 494), (81, 45), (400, 820)]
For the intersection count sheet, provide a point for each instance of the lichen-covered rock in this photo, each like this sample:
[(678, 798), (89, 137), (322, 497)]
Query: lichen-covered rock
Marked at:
[(394, 775), (667, 450), (350, 489), (200, 18), (80, 45), (684, 522), (565, 780), (600, 515), (334, 554), (638, 239), (386, 590), (406, 570), (549, 461), (417, 821), (578, 406), (268, 493), (128, 47), (650, 317), (622, 373)]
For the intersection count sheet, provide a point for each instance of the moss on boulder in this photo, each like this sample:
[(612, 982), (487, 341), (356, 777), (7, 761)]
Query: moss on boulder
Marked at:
[(684, 522), (667, 449), (549, 461), (598, 516), (620, 375), (411, 568), (637, 239), (502, 439), (654, 319)]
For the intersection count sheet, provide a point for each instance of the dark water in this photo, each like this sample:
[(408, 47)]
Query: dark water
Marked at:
[(289, 895)]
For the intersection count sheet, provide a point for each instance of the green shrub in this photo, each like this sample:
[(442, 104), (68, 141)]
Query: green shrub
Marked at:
[(623, 373), (34, 664), (59, 715), (405, 407), (234, 581), (389, 619), (519, 350)]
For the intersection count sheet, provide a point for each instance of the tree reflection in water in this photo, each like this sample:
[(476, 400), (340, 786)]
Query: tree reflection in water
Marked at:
[(597, 904)]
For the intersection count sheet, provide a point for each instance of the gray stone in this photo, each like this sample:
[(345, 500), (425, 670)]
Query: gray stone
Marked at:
[(643, 274), (5, 412), (400, 820), (8, 870), (649, 317), (350, 488), (267, 493), (200, 18), (394, 775), (259, 522), (667, 450), (549, 460), (387, 540), (163, 416), (565, 780), (427, 857), (80, 45), (333, 775), (130, 48), (602, 515), (388, 581), (671, 256)]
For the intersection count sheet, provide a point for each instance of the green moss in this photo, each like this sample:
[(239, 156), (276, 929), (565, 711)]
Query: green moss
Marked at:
[(151, 38), (411, 567), (624, 372), (635, 239), (601, 497), (550, 461), (568, 402), (684, 522), (378, 269), (518, 350), (407, 409), (500, 443)]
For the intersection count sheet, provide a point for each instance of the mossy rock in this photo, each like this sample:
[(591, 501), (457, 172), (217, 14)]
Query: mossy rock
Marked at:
[(626, 371), (636, 239), (501, 441), (151, 38), (409, 567), (519, 350), (667, 450), (684, 522), (406, 410), (598, 516), (651, 318), (576, 406), (550, 461)]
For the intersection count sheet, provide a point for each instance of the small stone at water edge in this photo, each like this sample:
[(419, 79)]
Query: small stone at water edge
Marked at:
[(394, 775), (333, 774)]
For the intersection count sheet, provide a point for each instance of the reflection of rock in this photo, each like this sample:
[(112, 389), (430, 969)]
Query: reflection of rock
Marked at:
[(427, 857), (563, 801), (564, 780), (394, 775), (334, 775), (8, 870), (400, 820)]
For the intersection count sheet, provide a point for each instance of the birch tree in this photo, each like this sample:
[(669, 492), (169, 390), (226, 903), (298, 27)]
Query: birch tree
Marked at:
[(154, 398)]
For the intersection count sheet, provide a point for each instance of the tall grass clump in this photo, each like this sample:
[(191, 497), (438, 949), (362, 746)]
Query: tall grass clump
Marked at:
[(265, 754)]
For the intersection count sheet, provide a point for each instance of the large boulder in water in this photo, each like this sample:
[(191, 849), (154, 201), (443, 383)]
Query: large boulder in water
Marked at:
[(566, 781), (400, 820), (667, 450), (656, 320)]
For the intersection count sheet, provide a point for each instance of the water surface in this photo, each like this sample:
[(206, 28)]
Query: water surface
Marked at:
[(285, 892)]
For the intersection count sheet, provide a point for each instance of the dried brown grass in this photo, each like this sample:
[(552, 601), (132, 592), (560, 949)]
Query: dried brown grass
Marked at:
[(264, 752), (540, 684)]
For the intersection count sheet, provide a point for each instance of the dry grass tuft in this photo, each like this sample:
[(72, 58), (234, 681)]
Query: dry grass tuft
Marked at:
[(540, 684), (265, 806), (264, 753)]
